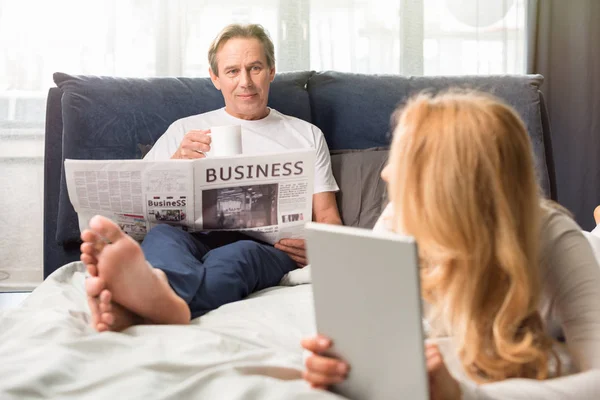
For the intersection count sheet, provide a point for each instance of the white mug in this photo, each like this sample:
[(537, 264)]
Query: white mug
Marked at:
[(225, 141)]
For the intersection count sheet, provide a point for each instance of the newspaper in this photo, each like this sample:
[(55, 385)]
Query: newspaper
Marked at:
[(267, 196)]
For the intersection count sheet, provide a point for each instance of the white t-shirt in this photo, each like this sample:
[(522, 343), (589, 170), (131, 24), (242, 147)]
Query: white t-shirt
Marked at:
[(271, 134), (569, 305)]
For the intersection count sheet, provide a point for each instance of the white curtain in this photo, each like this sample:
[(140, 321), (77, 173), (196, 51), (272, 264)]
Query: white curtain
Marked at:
[(171, 37)]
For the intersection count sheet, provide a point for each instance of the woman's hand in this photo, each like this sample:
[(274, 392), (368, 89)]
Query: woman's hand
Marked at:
[(442, 385), (321, 371)]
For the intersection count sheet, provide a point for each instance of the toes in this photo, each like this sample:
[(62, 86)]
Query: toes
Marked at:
[(88, 248), (94, 285), (101, 309), (101, 327), (88, 260), (92, 269), (92, 243), (105, 304), (105, 307), (89, 236), (105, 296), (106, 228), (93, 304), (107, 318)]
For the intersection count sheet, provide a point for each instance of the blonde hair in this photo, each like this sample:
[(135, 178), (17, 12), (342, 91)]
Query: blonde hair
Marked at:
[(251, 31), (462, 182)]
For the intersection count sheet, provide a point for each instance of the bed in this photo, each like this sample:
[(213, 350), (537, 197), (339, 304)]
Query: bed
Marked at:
[(244, 350)]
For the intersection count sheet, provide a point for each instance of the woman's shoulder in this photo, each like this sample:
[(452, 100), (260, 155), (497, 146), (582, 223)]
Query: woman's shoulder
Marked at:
[(564, 246), (559, 234), (556, 221)]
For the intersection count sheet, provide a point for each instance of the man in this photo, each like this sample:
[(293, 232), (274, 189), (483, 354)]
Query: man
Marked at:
[(195, 273)]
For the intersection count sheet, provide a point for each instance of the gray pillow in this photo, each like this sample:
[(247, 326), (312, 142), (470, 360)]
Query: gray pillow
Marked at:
[(362, 196)]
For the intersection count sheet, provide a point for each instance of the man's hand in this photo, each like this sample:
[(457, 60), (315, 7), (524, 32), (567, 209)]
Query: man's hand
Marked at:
[(324, 211), (442, 386), (193, 145), (295, 248)]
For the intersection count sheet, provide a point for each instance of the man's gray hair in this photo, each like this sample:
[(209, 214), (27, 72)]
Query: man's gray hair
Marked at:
[(251, 31)]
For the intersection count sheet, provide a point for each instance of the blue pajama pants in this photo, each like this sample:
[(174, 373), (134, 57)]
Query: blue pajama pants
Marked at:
[(210, 269)]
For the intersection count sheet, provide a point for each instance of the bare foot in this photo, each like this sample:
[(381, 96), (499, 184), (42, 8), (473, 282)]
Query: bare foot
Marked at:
[(597, 215), (121, 269), (110, 316), (90, 249), (113, 316), (106, 314)]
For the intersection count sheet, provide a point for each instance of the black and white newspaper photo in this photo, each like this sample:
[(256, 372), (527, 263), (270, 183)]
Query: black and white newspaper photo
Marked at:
[(241, 207)]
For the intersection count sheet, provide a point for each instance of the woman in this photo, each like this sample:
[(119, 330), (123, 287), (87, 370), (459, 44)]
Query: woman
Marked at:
[(499, 266)]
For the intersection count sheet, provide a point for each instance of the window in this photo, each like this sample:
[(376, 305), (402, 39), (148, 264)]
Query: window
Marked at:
[(171, 37)]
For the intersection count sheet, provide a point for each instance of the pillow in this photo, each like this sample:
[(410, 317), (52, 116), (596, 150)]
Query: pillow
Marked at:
[(362, 196), (361, 199)]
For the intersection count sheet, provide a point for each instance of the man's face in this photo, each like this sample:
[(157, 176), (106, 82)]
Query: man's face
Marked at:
[(244, 78)]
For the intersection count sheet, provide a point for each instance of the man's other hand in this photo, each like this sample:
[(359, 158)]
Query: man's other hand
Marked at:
[(194, 145), (295, 248)]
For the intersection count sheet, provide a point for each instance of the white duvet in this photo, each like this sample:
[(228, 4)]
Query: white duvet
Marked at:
[(245, 350)]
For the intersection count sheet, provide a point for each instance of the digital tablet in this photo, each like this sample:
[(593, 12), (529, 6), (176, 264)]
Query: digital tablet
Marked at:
[(367, 299)]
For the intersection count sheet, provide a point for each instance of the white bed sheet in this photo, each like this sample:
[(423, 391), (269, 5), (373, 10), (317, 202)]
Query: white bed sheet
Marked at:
[(244, 350)]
